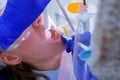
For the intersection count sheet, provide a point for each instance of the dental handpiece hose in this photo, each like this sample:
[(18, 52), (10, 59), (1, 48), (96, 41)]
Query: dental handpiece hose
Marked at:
[(83, 18), (82, 26)]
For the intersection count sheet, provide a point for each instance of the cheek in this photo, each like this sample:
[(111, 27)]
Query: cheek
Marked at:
[(35, 45), (38, 47), (55, 49), (34, 42)]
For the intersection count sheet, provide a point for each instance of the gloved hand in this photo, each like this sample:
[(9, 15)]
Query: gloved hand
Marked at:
[(79, 64), (83, 38), (18, 15)]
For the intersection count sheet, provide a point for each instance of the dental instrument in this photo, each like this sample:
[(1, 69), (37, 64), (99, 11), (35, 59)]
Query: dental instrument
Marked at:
[(64, 29), (66, 36), (63, 34), (65, 14), (77, 61)]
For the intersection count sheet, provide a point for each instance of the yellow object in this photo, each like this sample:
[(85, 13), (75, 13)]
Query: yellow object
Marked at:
[(74, 7), (59, 28)]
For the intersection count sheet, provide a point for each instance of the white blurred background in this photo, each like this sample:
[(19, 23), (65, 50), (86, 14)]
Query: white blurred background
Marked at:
[(59, 19)]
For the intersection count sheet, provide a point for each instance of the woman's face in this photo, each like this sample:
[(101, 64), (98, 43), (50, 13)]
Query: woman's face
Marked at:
[(40, 44)]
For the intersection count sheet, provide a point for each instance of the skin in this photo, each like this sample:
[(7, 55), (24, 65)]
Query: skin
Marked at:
[(40, 49)]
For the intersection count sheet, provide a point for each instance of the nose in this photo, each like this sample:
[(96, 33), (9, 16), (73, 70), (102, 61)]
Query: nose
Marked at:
[(38, 23)]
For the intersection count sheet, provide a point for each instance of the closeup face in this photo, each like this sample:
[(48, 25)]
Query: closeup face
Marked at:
[(40, 43)]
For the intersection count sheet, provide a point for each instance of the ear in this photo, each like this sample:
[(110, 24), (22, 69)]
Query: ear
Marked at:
[(10, 59)]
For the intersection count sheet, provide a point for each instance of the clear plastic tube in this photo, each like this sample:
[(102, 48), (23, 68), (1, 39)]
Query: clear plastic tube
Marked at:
[(80, 66), (45, 13)]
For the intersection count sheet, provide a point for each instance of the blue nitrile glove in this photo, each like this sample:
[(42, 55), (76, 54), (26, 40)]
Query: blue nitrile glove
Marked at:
[(79, 64), (83, 38), (18, 15)]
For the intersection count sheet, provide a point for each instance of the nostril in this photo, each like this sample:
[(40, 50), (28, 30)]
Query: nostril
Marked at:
[(38, 21)]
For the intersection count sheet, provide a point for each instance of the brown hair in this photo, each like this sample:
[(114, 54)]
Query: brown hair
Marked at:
[(22, 71)]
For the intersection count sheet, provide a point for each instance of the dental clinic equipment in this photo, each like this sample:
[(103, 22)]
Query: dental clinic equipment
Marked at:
[(65, 14), (81, 68), (76, 44), (67, 18), (63, 33), (57, 17), (83, 26), (83, 18)]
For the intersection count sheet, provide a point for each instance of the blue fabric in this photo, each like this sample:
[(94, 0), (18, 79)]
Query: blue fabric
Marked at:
[(52, 74), (18, 15), (1, 77), (81, 72)]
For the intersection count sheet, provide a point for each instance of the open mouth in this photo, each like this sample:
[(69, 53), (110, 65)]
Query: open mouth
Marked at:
[(54, 34), (55, 37)]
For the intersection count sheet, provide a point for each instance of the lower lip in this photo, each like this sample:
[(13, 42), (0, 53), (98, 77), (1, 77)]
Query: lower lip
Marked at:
[(55, 41)]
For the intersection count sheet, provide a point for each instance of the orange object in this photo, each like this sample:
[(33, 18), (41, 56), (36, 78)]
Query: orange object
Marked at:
[(74, 7)]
